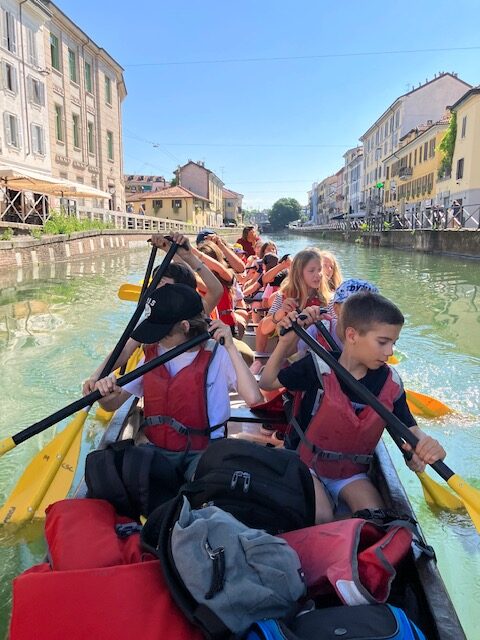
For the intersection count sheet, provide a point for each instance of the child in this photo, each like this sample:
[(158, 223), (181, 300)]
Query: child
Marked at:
[(303, 287), (331, 270), (182, 270), (330, 415), (191, 392)]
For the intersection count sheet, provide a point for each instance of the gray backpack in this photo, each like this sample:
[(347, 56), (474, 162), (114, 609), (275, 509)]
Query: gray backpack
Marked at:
[(223, 575)]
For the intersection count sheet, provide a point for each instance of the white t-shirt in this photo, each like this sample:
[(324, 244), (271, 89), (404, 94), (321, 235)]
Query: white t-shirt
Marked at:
[(221, 378)]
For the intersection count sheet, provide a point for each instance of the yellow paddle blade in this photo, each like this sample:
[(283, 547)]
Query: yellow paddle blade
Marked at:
[(7, 445), (103, 415), (470, 497), (130, 292), (437, 495), (393, 360), (62, 481), (425, 406), (35, 481)]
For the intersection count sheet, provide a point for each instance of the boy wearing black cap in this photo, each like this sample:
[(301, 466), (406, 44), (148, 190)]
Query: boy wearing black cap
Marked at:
[(186, 401)]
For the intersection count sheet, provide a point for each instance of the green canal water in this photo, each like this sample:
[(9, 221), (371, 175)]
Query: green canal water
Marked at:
[(58, 322)]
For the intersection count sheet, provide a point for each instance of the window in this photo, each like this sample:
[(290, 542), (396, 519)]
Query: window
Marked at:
[(54, 52), (464, 126), (397, 119), (38, 139), (176, 204), (110, 145), (76, 130), (9, 36), (157, 204), (36, 91), (88, 77), (431, 151), (9, 77), (388, 173), (108, 90), (460, 164), (72, 65), (410, 159), (32, 51), (415, 158), (59, 133), (91, 137), (420, 155), (12, 130)]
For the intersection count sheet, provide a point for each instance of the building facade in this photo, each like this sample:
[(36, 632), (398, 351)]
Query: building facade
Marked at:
[(353, 182), (172, 203), (459, 189), (139, 184), (85, 89), (24, 137), (232, 206), (411, 173), (195, 177), (421, 104)]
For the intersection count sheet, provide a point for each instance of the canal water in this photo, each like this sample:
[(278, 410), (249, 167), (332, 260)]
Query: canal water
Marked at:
[(58, 322)]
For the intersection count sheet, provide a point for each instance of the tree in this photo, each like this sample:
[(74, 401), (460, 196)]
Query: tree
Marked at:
[(284, 211)]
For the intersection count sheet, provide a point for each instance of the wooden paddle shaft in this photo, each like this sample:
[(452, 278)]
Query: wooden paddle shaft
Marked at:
[(367, 396), (89, 399)]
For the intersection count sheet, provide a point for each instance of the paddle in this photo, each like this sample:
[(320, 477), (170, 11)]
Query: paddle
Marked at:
[(130, 292), (19, 509), (433, 492), (469, 495)]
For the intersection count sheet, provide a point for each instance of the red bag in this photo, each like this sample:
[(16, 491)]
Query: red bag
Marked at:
[(354, 557)]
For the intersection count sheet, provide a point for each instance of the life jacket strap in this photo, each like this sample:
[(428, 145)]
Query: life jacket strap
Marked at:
[(182, 429)]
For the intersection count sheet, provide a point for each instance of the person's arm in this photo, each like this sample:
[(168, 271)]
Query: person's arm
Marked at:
[(230, 256), (89, 384), (247, 386), (191, 256), (216, 267), (275, 315), (271, 273), (285, 347)]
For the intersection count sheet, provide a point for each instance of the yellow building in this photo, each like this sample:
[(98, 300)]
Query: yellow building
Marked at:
[(195, 177), (411, 172), (232, 206), (461, 186), (172, 203)]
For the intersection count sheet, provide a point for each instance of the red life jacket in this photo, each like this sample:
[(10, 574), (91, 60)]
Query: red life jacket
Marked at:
[(338, 443), (328, 322), (98, 584), (175, 408), (355, 557), (225, 307)]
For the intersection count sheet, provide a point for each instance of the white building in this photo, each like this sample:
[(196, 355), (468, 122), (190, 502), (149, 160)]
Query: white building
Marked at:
[(353, 180), (421, 104)]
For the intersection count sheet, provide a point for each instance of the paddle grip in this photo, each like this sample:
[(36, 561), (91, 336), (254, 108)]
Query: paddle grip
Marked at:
[(367, 397), (89, 399), (138, 311)]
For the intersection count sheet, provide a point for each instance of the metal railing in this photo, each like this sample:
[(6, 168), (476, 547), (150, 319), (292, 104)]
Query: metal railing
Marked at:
[(136, 222), (431, 219)]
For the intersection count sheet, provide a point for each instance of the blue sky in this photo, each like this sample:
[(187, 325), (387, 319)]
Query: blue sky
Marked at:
[(269, 128)]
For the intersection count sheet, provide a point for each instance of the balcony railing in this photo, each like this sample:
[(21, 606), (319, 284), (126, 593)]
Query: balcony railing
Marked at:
[(405, 173)]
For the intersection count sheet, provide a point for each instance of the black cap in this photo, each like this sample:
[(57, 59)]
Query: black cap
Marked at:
[(164, 308)]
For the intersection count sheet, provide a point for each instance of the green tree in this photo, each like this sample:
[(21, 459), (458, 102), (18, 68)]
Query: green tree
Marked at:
[(284, 211)]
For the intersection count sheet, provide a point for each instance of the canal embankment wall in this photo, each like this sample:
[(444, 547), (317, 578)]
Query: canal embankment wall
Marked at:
[(458, 243), (25, 251)]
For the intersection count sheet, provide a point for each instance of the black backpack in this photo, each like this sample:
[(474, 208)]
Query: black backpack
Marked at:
[(134, 479), (263, 487)]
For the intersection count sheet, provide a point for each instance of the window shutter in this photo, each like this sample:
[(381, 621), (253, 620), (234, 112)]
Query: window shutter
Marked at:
[(14, 79), (8, 130), (19, 133), (4, 29), (12, 35), (42, 93)]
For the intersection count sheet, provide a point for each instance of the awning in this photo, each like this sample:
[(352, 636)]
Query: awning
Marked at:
[(339, 216), (31, 180)]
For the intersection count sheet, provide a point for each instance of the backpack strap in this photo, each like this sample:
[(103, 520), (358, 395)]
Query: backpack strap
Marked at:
[(137, 463)]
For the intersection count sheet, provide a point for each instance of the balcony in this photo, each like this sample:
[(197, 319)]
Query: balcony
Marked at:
[(405, 172)]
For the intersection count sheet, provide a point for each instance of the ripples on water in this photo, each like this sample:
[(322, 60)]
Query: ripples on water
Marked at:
[(58, 322)]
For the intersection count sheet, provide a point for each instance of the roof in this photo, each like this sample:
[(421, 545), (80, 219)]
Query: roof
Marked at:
[(228, 193), (168, 192), (471, 92), (201, 165), (409, 93)]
